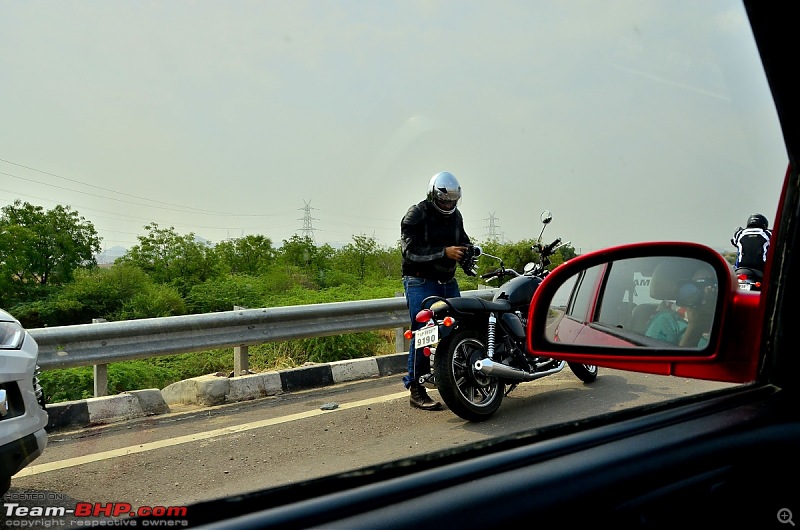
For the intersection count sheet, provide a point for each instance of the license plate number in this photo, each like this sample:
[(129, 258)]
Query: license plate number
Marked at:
[(426, 336), (744, 286)]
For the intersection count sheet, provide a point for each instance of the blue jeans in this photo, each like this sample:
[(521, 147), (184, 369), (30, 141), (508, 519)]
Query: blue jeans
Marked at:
[(417, 290)]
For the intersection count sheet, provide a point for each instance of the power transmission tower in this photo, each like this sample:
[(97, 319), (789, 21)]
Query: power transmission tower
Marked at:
[(308, 229), (492, 228)]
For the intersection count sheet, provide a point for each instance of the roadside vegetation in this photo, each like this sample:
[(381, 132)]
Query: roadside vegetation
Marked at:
[(49, 277)]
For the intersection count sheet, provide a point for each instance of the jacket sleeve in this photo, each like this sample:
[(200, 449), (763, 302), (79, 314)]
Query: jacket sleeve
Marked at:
[(464, 238), (736, 234), (413, 242)]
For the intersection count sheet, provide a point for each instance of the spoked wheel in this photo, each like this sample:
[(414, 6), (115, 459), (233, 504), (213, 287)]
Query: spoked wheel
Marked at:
[(469, 394), (585, 372)]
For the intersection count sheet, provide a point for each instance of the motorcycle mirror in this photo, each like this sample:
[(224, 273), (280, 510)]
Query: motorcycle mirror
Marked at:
[(528, 267), (546, 218)]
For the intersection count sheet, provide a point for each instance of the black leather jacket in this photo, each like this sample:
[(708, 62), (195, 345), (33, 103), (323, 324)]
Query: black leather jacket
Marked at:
[(424, 233)]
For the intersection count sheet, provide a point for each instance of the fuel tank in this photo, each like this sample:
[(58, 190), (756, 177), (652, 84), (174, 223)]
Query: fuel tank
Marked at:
[(518, 291)]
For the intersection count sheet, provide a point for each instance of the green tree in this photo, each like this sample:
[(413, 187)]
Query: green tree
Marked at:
[(304, 261), (730, 257), (173, 259), (246, 255), (516, 255), (300, 251), (221, 294), (41, 247), (119, 292), (390, 261), (359, 256)]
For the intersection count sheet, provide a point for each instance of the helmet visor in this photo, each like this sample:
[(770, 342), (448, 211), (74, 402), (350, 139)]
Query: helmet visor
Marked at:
[(446, 205)]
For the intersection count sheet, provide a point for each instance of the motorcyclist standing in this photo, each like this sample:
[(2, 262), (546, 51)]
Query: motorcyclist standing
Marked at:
[(433, 244), (752, 243)]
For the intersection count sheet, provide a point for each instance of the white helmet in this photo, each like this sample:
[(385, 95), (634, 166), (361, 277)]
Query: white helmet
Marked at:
[(444, 192)]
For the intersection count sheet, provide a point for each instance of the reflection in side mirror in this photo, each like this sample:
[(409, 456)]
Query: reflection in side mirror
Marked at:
[(546, 217), (658, 302)]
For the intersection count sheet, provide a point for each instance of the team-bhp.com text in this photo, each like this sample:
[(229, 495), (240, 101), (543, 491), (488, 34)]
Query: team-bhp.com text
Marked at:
[(93, 514)]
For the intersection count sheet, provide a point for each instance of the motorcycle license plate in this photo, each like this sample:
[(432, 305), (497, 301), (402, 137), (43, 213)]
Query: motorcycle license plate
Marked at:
[(426, 336), (744, 286)]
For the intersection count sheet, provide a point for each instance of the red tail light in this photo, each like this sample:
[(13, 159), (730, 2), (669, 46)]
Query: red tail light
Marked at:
[(426, 351), (742, 277), (424, 315)]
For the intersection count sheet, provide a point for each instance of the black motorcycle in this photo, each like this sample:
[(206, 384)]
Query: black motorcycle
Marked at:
[(477, 347), (749, 279)]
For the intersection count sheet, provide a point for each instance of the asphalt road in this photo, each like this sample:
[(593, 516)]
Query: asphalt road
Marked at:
[(187, 456)]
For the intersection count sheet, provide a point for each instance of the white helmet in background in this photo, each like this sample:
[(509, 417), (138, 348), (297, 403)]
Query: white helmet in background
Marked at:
[(444, 192)]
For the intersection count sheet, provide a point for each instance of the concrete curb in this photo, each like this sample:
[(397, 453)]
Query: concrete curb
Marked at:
[(210, 390)]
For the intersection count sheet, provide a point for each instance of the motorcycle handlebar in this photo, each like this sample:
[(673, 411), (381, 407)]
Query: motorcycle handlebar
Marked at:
[(499, 273), (491, 274), (551, 247)]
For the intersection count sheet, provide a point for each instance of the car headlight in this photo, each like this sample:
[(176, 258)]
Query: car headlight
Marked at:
[(11, 336)]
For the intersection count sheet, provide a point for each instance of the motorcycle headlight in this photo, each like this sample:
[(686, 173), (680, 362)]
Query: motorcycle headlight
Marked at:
[(11, 336)]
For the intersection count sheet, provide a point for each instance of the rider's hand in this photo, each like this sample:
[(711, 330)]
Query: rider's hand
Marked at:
[(455, 253)]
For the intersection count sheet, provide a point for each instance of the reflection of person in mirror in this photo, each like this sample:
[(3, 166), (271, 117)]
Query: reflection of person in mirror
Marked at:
[(686, 311), (700, 304)]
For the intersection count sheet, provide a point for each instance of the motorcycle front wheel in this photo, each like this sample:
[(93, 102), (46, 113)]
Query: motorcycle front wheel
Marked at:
[(585, 372), (471, 395)]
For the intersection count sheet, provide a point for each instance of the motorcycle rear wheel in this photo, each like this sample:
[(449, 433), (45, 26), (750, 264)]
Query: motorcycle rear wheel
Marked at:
[(585, 372), (471, 395)]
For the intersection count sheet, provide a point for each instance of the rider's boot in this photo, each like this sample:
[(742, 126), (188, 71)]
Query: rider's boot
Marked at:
[(421, 400)]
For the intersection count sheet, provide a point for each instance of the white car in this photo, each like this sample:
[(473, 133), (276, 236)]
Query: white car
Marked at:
[(22, 414)]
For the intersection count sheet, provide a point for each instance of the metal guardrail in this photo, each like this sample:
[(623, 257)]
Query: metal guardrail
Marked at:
[(108, 342)]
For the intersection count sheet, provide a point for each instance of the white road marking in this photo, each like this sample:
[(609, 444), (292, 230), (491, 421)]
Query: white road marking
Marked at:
[(233, 429)]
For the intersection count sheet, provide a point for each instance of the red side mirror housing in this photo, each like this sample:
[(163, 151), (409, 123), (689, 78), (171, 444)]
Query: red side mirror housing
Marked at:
[(585, 310)]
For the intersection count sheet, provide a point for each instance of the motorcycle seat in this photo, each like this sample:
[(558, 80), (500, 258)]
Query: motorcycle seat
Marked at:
[(469, 304), (750, 272)]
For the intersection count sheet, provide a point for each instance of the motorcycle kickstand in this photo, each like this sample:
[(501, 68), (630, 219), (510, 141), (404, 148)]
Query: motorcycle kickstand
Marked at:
[(511, 387)]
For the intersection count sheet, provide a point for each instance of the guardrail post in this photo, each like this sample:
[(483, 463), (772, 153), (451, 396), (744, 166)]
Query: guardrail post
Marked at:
[(241, 361), (401, 343), (100, 372)]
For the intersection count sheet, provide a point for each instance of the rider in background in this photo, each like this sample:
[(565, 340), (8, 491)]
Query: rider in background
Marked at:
[(752, 243)]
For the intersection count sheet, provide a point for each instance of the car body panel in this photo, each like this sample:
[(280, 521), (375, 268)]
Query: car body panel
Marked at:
[(22, 417)]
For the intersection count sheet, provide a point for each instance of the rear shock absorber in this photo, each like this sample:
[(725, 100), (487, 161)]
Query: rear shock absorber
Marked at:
[(490, 336)]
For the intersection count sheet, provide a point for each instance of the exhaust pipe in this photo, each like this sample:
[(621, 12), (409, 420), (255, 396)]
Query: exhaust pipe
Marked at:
[(489, 367)]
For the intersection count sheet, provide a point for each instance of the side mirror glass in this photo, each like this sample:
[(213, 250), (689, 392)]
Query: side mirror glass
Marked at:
[(658, 302), (546, 217)]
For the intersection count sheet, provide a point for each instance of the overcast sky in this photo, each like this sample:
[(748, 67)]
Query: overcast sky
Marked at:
[(629, 120)]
